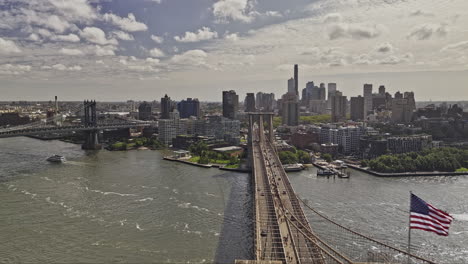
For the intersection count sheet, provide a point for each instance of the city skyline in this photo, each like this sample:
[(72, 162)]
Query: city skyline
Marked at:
[(111, 49)]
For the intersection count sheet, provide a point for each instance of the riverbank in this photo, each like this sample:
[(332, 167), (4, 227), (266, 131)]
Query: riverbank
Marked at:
[(223, 167), (407, 174)]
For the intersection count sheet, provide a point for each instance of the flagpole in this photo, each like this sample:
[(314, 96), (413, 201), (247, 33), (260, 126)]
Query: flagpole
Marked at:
[(409, 231)]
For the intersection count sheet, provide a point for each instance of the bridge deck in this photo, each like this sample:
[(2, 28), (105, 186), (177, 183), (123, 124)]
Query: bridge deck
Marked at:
[(278, 212)]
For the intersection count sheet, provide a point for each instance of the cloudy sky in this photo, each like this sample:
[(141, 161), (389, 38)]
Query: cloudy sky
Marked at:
[(142, 49)]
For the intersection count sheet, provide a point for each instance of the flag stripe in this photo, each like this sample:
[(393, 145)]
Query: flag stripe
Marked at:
[(440, 211), (426, 223), (430, 230), (444, 220), (425, 218)]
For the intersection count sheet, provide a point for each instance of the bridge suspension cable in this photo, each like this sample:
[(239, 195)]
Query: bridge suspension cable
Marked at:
[(377, 251)]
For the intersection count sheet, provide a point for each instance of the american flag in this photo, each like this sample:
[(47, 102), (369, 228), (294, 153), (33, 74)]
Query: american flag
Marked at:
[(426, 217)]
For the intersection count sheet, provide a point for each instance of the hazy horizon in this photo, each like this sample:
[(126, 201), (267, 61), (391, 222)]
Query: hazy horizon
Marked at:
[(116, 50)]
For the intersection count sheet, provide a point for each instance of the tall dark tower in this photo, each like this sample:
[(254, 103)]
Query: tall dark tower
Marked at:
[(296, 78)]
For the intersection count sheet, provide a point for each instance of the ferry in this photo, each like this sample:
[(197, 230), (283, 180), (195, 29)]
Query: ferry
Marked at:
[(56, 159)]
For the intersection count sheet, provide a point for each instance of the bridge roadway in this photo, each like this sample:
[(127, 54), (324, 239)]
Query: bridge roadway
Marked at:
[(27, 131), (278, 211)]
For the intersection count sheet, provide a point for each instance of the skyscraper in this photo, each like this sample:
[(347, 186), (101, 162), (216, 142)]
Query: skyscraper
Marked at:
[(403, 107), (290, 109), (382, 90), (188, 108), (249, 103), (331, 89), (145, 111), (367, 99), (166, 107), (357, 108), (230, 104), (291, 86), (338, 107), (296, 79)]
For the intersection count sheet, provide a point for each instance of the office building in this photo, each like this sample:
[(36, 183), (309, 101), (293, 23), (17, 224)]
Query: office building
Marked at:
[(367, 99), (167, 106), (409, 143), (290, 109), (331, 89), (188, 108), (296, 79), (265, 102), (382, 90), (318, 106), (249, 103), (357, 108), (224, 129), (338, 107), (230, 104), (403, 107), (291, 86), (145, 110), (171, 127)]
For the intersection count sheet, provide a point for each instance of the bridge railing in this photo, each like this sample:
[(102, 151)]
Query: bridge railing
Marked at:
[(354, 246)]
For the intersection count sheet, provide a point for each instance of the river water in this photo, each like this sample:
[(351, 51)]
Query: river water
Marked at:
[(135, 207)]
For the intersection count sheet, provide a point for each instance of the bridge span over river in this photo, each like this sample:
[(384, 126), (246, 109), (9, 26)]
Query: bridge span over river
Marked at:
[(283, 233)]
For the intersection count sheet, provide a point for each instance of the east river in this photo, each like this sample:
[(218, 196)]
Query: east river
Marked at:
[(132, 206)]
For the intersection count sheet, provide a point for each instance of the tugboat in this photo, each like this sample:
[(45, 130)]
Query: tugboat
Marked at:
[(56, 159)]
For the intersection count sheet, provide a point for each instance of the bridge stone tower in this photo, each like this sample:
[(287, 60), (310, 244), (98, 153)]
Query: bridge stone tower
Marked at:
[(90, 121), (260, 118)]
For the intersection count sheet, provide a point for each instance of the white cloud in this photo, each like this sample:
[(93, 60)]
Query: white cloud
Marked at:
[(354, 31), (157, 39), (152, 60), (61, 67), (66, 38), (426, 31), (333, 18), (12, 69), (123, 35), (155, 52), (191, 58), (272, 14), (51, 21), (75, 68), (232, 37), (204, 33), (97, 36), (237, 10), (123, 61), (34, 37), (71, 52), (8, 46), (126, 23), (462, 45), (104, 51), (76, 10)]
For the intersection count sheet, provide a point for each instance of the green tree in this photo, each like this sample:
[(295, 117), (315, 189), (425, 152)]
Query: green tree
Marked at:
[(287, 157), (198, 147), (203, 160), (327, 157), (303, 157), (364, 163)]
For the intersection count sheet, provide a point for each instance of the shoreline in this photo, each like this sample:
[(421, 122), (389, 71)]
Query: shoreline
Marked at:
[(407, 174), (220, 167)]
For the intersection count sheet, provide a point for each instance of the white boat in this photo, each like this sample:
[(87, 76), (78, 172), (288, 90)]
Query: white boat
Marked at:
[(56, 158)]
